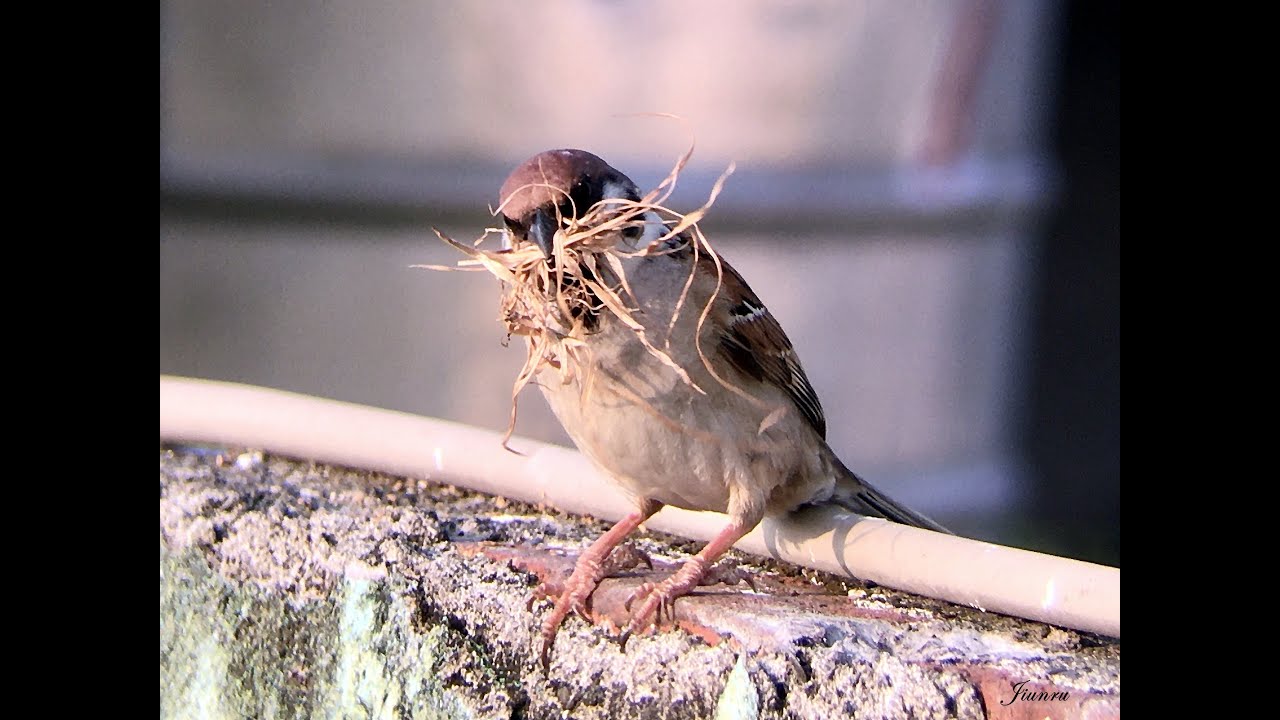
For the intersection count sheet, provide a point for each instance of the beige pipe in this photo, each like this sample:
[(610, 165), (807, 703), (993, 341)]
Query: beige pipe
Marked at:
[(990, 577)]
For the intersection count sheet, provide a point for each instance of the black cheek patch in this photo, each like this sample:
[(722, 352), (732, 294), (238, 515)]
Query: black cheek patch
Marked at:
[(582, 196)]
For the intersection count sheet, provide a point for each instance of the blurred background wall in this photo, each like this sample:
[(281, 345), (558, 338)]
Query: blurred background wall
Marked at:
[(923, 197)]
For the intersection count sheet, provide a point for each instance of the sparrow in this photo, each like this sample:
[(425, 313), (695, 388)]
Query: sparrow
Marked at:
[(727, 421)]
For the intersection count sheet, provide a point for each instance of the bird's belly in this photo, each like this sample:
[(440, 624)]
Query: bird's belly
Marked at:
[(659, 438), (668, 456)]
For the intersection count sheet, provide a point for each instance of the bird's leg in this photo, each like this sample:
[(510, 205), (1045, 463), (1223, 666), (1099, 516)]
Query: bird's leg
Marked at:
[(660, 597), (587, 574)]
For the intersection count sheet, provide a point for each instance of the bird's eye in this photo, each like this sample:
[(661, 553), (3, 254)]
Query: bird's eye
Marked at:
[(632, 230)]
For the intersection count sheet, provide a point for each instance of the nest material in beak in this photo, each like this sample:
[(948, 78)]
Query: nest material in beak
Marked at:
[(551, 286)]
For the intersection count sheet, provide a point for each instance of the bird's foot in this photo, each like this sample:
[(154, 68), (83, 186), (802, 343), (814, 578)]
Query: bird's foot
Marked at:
[(658, 600), (575, 594), (574, 597), (587, 572)]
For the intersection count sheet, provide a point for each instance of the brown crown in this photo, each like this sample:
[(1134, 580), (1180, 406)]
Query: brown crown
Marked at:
[(547, 177)]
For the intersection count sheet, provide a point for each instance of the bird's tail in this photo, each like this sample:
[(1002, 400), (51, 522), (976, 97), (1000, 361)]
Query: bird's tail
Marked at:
[(857, 495)]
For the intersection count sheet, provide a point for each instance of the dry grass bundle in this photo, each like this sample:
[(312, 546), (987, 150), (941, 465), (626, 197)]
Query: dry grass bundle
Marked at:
[(549, 303)]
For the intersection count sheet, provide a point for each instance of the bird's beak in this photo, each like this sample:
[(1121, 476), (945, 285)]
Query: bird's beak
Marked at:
[(542, 231)]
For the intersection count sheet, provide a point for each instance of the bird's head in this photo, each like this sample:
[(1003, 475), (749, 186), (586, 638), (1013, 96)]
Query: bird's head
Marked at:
[(557, 187)]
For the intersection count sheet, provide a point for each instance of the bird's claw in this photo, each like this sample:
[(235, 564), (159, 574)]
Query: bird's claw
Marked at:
[(574, 597), (541, 592), (641, 592), (655, 602)]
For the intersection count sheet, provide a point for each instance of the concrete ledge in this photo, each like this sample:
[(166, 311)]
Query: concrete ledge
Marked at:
[(293, 589)]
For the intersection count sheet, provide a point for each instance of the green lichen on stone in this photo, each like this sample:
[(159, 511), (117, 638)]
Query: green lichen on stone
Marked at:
[(194, 655), (247, 651), (383, 667), (738, 700)]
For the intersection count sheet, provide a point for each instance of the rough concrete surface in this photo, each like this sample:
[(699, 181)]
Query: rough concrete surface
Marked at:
[(293, 589)]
